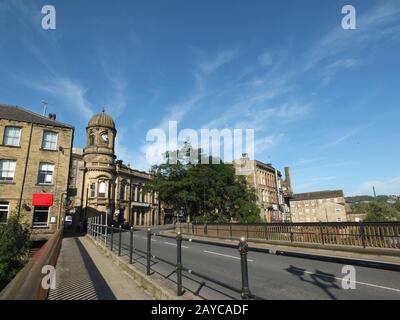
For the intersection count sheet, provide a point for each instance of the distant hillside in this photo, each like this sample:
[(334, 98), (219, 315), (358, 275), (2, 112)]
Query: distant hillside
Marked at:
[(366, 199)]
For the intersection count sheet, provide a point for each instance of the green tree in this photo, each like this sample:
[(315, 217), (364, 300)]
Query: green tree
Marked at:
[(205, 192), (380, 212), (14, 247)]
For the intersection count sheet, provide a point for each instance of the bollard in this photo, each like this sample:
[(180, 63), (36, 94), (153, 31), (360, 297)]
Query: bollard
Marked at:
[(120, 238), (131, 246), (112, 238), (243, 249), (148, 251), (179, 264)]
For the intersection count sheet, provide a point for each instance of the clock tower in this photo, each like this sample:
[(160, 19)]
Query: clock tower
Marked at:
[(100, 168), (100, 139)]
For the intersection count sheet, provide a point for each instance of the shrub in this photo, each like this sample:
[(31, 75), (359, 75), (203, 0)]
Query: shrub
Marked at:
[(14, 247)]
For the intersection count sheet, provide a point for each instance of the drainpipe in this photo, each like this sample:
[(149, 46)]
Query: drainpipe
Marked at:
[(25, 169)]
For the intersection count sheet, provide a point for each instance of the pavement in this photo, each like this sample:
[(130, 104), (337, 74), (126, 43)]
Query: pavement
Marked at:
[(84, 273), (271, 276)]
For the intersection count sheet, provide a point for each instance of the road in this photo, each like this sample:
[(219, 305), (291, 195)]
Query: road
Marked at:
[(270, 276)]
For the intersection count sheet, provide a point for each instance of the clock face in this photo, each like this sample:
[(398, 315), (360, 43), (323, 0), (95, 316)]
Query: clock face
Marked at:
[(104, 136)]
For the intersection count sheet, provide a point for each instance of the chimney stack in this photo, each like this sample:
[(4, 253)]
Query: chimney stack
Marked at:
[(288, 181), (52, 116)]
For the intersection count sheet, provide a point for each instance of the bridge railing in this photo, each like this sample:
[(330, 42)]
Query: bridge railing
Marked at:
[(357, 234), (111, 237), (27, 284)]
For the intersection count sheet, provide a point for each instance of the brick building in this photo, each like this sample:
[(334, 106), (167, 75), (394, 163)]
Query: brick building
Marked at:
[(321, 206), (35, 153), (102, 185), (273, 192)]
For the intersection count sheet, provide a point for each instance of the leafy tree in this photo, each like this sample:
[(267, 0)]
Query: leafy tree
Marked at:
[(204, 192), (14, 247), (381, 211)]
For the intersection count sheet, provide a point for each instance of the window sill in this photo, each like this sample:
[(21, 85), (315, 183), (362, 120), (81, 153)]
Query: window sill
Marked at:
[(44, 185), (40, 227), (7, 182), (10, 146), (50, 150)]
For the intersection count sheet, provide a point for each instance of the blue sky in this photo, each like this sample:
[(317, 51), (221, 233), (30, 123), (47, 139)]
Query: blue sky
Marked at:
[(322, 100)]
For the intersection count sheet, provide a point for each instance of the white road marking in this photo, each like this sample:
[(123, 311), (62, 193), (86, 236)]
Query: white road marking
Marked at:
[(357, 282), (174, 244), (225, 255)]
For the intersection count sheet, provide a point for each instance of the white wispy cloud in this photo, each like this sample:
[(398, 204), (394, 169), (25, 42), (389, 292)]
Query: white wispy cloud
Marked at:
[(211, 65), (67, 92), (390, 186), (265, 59)]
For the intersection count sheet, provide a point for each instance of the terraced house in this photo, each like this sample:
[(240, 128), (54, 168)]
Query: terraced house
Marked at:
[(35, 153)]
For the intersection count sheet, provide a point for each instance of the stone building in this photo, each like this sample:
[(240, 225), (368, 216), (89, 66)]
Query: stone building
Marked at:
[(273, 192), (101, 185), (321, 206), (35, 153)]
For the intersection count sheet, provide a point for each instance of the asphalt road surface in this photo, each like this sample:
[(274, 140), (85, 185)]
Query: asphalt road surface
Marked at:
[(270, 276)]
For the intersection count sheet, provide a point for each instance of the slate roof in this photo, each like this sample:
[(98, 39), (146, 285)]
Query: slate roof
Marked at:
[(20, 114), (326, 194)]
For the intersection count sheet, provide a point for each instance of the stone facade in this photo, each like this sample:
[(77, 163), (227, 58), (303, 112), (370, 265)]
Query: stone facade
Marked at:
[(43, 145), (322, 206), (272, 191), (102, 186)]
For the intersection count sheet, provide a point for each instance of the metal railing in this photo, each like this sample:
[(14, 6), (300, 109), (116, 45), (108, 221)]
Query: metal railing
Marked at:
[(107, 234), (357, 234)]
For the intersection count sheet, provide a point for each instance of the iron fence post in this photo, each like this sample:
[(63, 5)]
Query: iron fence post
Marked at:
[(193, 228), (101, 228), (120, 238), (243, 249), (131, 245), (112, 238), (179, 264), (205, 229), (322, 234), (266, 231), (230, 231), (291, 233), (148, 251), (362, 233)]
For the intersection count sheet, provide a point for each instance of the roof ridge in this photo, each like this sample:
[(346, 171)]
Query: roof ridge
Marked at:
[(55, 122)]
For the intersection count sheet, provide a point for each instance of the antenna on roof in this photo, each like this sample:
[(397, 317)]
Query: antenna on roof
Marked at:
[(104, 110), (45, 103)]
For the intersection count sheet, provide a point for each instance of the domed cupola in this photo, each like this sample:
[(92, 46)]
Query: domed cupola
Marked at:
[(102, 120), (100, 139)]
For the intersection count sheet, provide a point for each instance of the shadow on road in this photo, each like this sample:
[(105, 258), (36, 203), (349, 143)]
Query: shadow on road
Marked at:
[(323, 280)]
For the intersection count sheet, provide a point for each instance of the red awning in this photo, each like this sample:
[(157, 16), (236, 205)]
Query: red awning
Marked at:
[(42, 200)]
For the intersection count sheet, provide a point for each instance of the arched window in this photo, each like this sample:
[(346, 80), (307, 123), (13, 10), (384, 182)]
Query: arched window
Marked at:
[(91, 140), (102, 189), (122, 190)]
